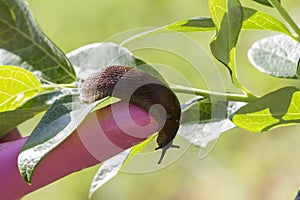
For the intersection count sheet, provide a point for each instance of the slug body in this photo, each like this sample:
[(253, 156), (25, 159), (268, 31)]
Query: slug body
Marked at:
[(138, 88)]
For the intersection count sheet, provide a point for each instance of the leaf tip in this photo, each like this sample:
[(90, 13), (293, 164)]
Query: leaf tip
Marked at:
[(90, 194)]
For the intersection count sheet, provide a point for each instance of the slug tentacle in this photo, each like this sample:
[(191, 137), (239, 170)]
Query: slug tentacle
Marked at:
[(138, 88)]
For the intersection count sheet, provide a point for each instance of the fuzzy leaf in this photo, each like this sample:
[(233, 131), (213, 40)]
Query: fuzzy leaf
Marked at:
[(94, 57), (112, 166), (203, 122), (108, 170), (277, 56)]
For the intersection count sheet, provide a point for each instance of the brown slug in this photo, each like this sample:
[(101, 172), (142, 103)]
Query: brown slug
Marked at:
[(138, 88)]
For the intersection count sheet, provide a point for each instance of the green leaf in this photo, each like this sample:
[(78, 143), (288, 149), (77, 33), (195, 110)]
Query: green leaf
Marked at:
[(10, 119), (20, 35), (17, 85), (265, 2), (277, 56), (278, 108), (257, 20), (94, 57), (204, 111), (112, 166), (228, 20), (138, 148), (60, 120), (192, 25), (217, 9), (252, 20)]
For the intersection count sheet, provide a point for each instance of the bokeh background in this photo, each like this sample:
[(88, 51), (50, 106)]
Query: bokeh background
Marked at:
[(243, 165)]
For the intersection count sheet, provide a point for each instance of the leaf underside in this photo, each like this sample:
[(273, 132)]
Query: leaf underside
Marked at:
[(94, 57), (111, 167), (276, 55), (204, 121)]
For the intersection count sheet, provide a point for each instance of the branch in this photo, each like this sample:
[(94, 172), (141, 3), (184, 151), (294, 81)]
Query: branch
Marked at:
[(209, 94)]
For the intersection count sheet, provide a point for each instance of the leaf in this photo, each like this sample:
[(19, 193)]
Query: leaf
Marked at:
[(17, 85), (9, 58), (228, 20), (205, 134), (257, 20), (277, 56), (192, 25), (138, 148), (112, 166), (298, 68), (10, 119), (278, 108), (20, 35), (265, 2), (60, 120), (252, 20), (196, 127), (142, 65), (297, 196), (217, 9), (108, 170), (204, 111), (94, 57)]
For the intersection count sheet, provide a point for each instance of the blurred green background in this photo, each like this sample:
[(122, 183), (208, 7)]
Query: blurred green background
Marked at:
[(243, 165)]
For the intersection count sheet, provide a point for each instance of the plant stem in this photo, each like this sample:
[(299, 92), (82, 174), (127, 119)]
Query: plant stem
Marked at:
[(62, 86), (287, 17), (248, 92), (209, 94)]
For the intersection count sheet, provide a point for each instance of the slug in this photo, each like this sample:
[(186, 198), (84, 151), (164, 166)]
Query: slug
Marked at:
[(140, 89)]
